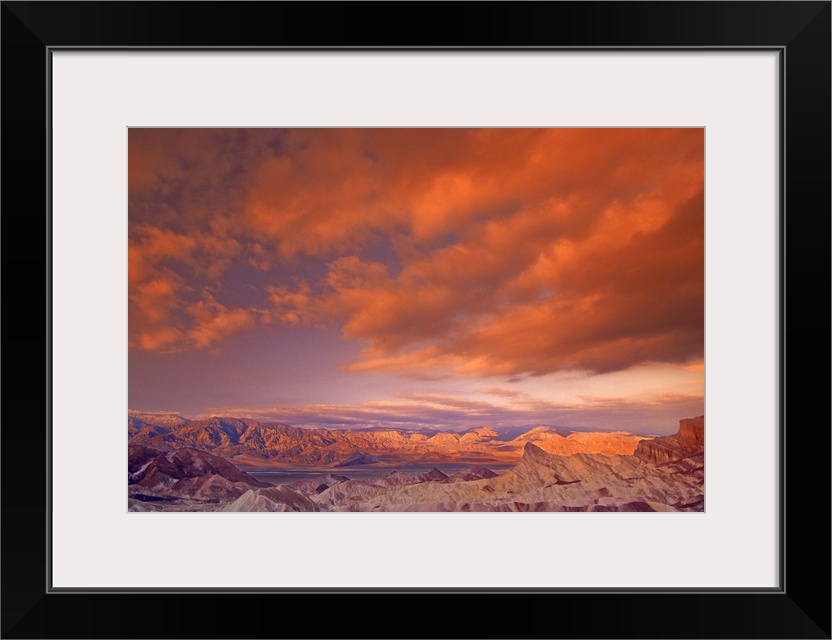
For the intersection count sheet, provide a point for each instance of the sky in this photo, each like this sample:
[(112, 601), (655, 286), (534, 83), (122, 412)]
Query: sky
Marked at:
[(418, 278)]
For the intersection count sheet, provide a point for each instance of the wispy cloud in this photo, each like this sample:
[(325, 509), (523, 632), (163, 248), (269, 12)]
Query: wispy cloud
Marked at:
[(436, 411)]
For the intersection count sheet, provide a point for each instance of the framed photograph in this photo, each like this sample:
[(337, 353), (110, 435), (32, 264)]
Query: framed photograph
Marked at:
[(504, 309), (405, 320)]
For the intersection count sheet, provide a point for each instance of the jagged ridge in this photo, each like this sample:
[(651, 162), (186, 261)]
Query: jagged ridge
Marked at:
[(663, 474), (256, 443)]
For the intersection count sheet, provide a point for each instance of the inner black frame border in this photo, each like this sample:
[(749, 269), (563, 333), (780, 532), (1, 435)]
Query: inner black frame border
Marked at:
[(799, 31)]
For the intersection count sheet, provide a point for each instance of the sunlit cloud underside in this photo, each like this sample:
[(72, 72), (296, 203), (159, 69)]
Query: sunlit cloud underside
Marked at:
[(442, 278)]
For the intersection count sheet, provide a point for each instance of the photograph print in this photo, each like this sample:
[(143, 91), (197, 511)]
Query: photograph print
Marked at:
[(416, 320)]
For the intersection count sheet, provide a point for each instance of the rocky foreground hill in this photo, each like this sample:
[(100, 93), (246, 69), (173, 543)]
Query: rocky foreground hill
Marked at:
[(661, 474), (252, 443)]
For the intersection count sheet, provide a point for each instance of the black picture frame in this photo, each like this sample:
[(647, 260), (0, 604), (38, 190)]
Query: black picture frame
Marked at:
[(799, 608)]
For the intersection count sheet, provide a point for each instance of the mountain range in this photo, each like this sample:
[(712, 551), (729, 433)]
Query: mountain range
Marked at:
[(252, 443), (659, 474)]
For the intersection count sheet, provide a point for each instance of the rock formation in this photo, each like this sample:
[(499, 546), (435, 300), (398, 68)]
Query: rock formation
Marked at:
[(183, 479), (252, 443), (661, 474)]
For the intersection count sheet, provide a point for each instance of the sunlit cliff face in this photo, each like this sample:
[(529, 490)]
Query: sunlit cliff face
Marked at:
[(418, 277)]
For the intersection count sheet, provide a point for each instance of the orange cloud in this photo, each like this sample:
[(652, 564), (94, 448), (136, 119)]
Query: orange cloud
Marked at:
[(163, 338), (292, 306), (154, 246), (505, 251), (214, 321), (335, 188), (160, 262), (577, 282)]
